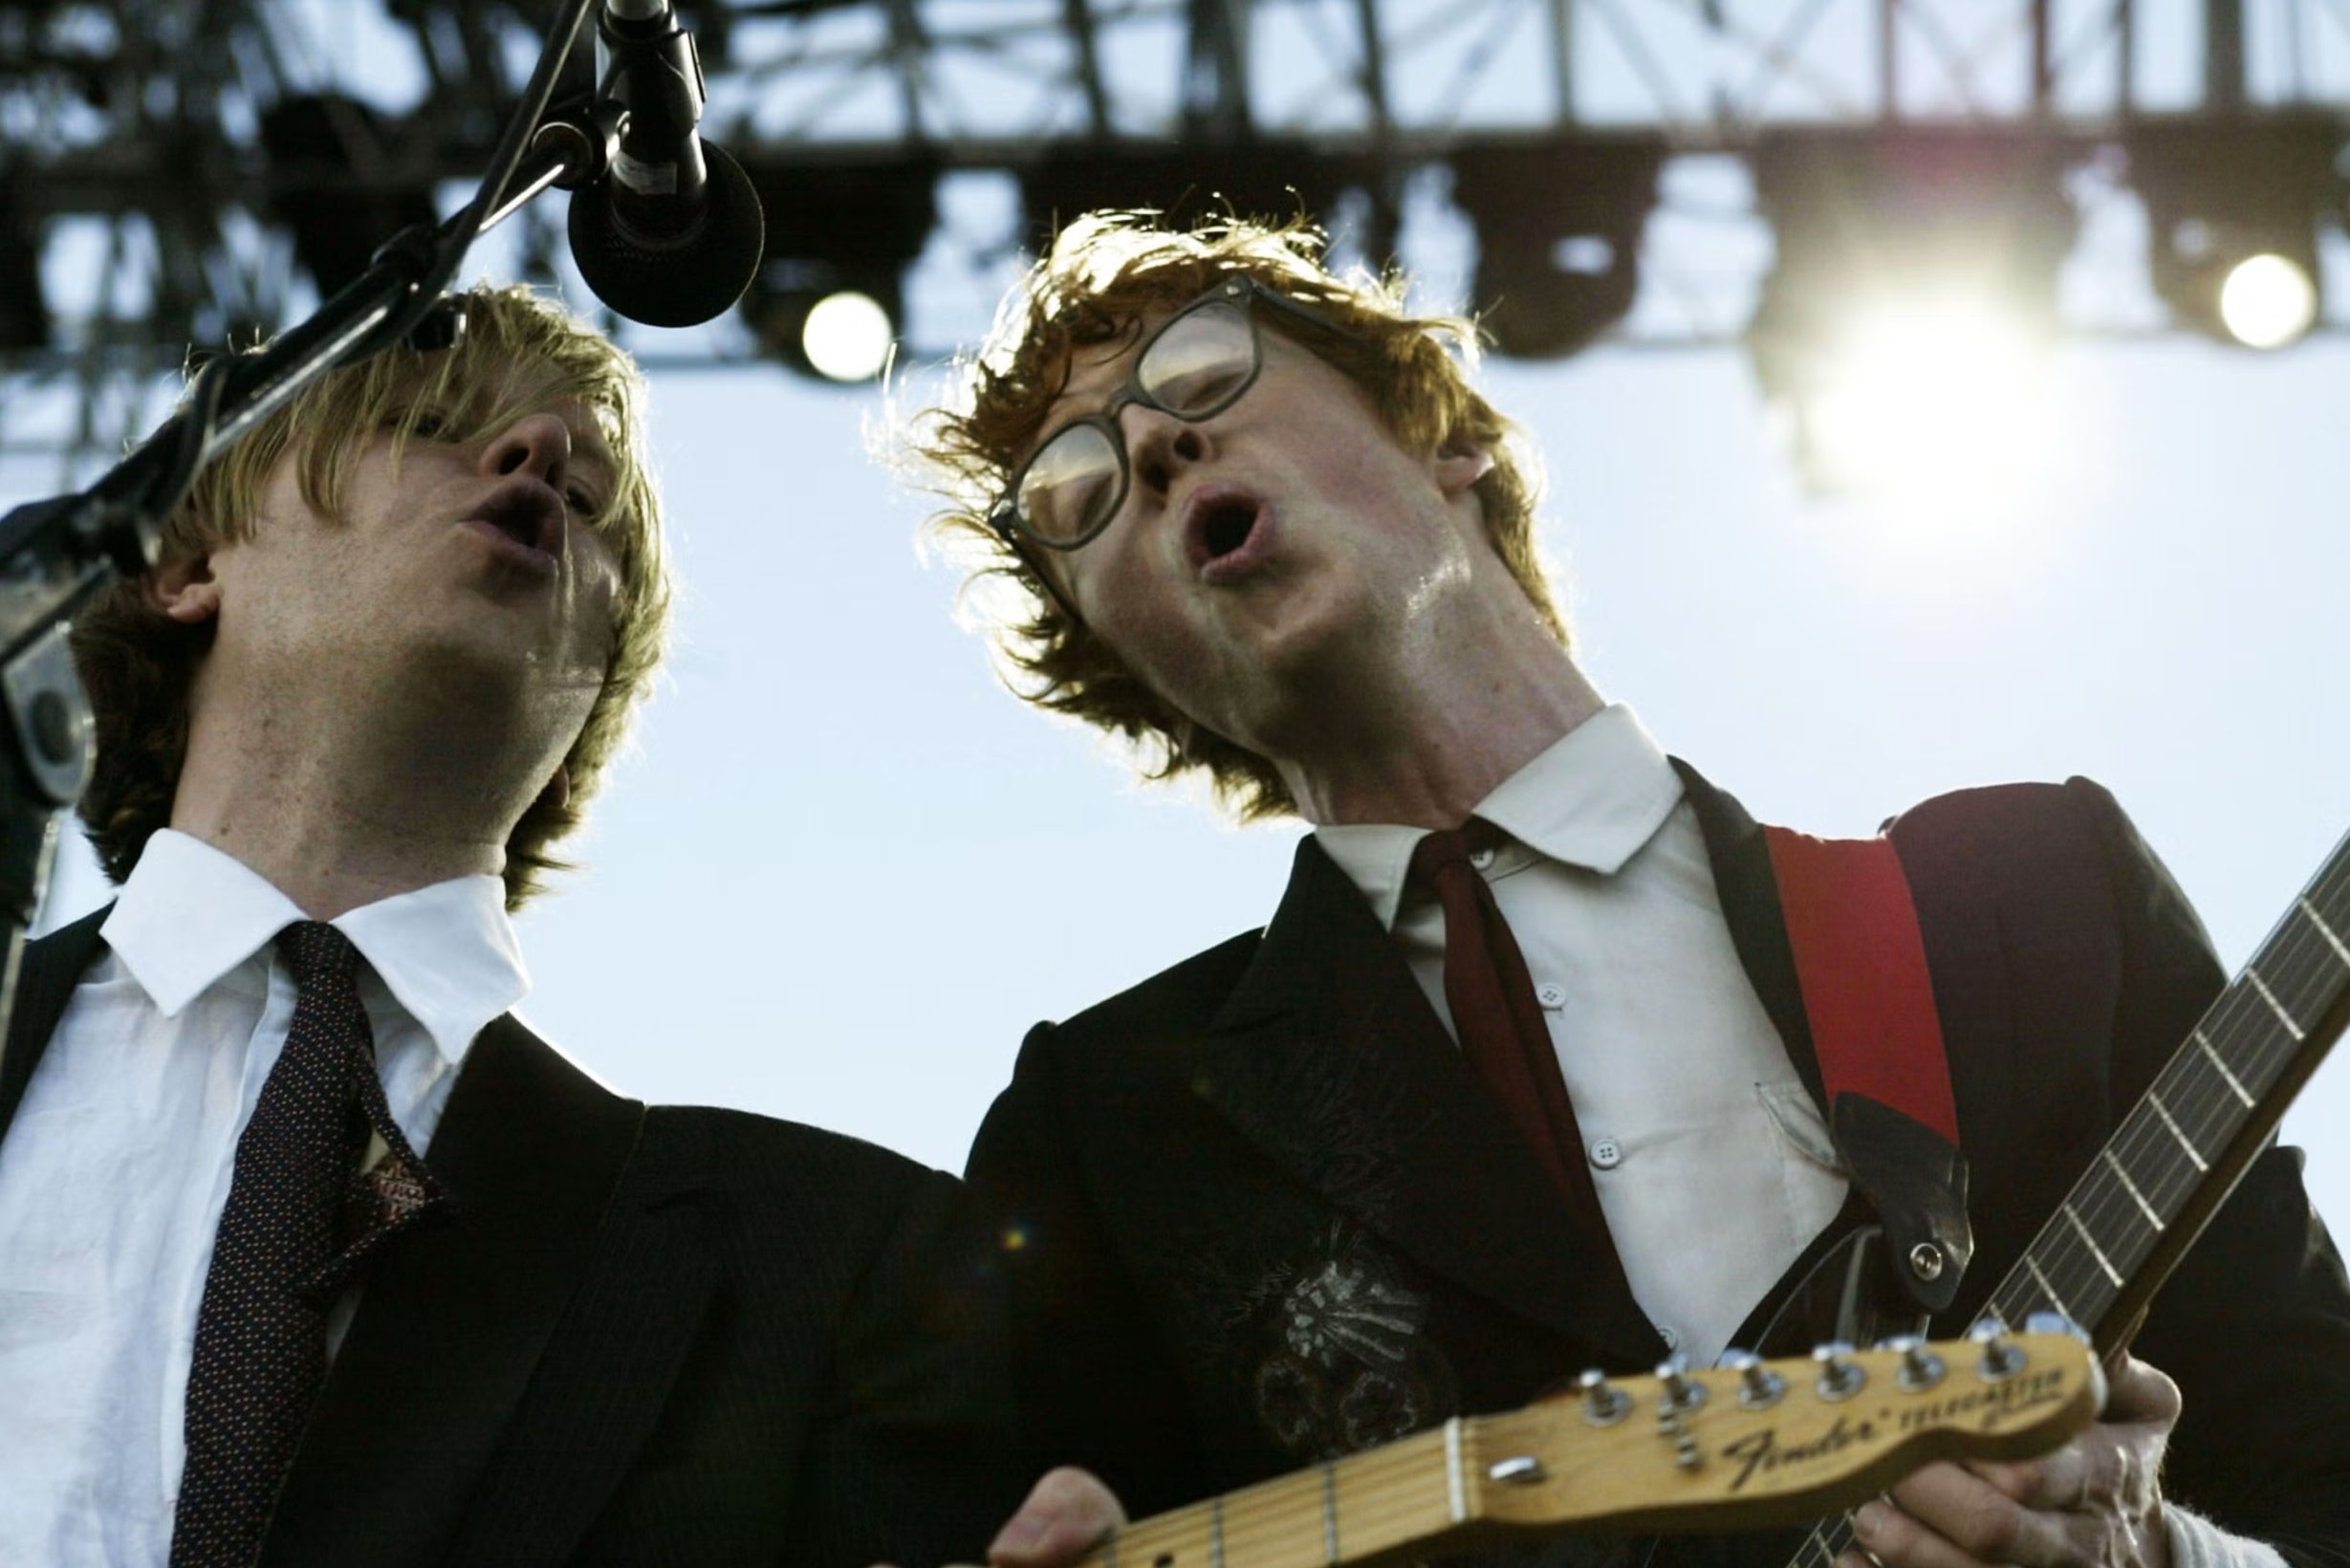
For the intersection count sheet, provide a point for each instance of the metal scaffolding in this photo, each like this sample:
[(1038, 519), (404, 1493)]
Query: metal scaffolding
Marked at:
[(176, 173)]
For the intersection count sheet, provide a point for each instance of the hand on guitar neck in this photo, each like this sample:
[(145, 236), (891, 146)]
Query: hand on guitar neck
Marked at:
[(2094, 1503), (1750, 1443), (1066, 1515)]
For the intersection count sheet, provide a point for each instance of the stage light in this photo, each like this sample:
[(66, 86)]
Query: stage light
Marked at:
[(23, 311), (1934, 396), (2233, 210), (1270, 179), (2267, 301), (829, 300), (824, 321), (1558, 228), (334, 183), (848, 335), (1902, 333)]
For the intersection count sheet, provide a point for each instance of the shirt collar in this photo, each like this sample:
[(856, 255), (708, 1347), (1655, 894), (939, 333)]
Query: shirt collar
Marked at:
[(190, 913), (1592, 798)]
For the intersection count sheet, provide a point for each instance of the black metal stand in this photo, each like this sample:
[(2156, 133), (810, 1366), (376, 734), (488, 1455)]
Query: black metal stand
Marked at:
[(55, 553)]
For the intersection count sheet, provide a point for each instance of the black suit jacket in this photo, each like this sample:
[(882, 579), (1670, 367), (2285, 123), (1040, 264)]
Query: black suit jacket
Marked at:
[(1257, 1212), (640, 1336)]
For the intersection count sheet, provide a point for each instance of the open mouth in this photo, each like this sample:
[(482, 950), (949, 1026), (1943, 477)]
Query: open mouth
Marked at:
[(1220, 525), (1226, 527), (530, 515)]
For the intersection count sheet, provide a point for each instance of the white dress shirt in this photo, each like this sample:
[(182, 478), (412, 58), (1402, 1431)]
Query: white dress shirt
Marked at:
[(1712, 1164), (116, 1169)]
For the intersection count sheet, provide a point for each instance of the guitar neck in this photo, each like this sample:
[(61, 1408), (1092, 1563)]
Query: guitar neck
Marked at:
[(2175, 1158), (2147, 1195), (1356, 1510), (1769, 1444)]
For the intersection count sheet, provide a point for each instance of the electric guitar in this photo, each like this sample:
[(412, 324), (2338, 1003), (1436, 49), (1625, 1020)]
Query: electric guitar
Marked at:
[(1744, 1446), (2175, 1158)]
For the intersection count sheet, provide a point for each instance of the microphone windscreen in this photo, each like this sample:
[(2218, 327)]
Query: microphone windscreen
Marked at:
[(679, 281)]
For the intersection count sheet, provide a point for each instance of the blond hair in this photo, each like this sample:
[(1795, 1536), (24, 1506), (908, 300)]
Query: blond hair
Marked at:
[(1105, 274), (519, 352)]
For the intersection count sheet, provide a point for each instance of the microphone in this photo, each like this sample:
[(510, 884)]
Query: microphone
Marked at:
[(673, 234)]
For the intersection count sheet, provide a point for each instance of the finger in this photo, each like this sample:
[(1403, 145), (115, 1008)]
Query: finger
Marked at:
[(1067, 1514), (1897, 1540), (1944, 1513), (2062, 1479), (2140, 1395)]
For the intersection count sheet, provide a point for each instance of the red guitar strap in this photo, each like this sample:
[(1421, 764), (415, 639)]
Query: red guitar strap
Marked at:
[(1862, 966)]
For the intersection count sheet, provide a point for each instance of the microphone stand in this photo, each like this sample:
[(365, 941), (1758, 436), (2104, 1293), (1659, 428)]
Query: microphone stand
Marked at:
[(55, 553)]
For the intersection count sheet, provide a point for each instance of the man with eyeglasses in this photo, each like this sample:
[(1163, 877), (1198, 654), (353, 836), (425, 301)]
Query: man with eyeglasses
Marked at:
[(1518, 1079)]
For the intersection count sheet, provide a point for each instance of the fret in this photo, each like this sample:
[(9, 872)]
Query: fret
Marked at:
[(2203, 1043), (1215, 1532), (2048, 1290), (2163, 1111), (1456, 1483), (1329, 1515), (2275, 1006), (2089, 1241), (2326, 931), (2129, 1186)]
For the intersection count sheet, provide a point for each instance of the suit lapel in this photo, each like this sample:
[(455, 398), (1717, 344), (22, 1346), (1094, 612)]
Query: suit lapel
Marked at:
[(1328, 1057), (1750, 896), (454, 1319), (44, 980)]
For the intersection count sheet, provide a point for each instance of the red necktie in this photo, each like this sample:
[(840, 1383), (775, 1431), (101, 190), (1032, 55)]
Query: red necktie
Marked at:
[(300, 1221), (1499, 1021)]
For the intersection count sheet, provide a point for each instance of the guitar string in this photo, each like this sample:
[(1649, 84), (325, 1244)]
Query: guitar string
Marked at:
[(1266, 1508), (2304, 974), (2325, 898)]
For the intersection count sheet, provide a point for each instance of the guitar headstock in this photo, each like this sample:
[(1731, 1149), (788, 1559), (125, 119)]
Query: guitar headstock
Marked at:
[(1776, 1443)]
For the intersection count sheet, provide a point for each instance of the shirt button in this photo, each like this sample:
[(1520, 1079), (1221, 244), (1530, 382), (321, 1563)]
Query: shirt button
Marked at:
[(1550, 994), (1481, 858), (1606, 1153)]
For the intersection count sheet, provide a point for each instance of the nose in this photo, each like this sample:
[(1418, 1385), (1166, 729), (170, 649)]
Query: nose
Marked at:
[(1159, 447), (535, 443)]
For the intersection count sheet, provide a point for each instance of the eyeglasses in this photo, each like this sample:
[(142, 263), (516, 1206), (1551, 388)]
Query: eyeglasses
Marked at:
[(1194, 367)]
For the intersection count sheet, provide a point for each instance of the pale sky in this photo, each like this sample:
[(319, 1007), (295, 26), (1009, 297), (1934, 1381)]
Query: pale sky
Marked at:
[(846, 871)]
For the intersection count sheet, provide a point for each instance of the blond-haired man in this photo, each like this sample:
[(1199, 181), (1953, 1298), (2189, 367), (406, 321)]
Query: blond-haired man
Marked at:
[(309, 1251), (1290, 1199)]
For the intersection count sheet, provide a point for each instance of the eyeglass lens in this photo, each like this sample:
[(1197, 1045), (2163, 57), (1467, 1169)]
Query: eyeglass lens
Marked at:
[(1196, 367)]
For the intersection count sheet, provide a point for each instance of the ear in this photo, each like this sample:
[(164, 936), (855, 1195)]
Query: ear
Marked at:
[(185, 590), (1460, 463)]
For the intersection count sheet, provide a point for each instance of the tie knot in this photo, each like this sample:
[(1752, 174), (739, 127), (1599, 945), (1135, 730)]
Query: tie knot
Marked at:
[(317, 951), (1447, 847)]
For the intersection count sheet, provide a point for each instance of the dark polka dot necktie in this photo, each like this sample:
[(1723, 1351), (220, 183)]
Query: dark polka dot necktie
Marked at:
[(305, 1212), (1498, 1019)]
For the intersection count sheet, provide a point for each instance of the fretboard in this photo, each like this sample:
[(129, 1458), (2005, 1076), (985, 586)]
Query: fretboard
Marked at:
[(1350, 1511), (2178, 1154)]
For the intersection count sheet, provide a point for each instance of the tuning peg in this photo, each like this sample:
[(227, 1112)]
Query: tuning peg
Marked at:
[(2002, 1358), (1603, 1403), (1758, 1386), (1680, 1393), (1920, 1369), (2055, 1322), (1840, 1377)]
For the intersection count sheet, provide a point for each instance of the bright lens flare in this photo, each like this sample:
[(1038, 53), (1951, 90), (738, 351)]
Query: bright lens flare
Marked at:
[(2267, 302), (847, 336), (1933, 401)]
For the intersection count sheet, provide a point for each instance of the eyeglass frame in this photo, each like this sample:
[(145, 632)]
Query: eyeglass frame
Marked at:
[(1240, 290)]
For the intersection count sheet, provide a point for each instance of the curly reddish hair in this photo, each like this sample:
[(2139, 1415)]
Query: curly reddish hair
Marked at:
[(1105, 274)]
